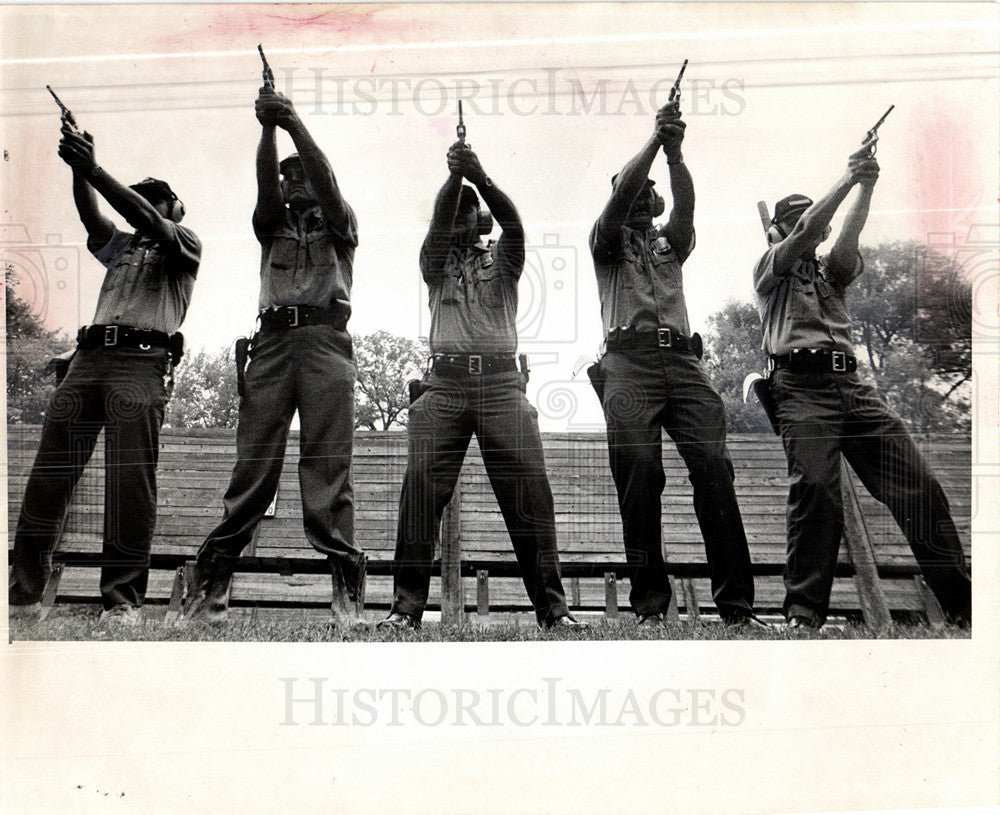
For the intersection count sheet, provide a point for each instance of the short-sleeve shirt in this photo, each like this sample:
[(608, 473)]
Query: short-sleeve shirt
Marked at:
[(149, 281), (306, 261), (805, 307), (473, 300), (639, 278)]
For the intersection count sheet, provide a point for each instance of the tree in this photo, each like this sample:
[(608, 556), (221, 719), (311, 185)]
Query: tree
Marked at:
[(30, 345), (912, 321), (204, 391), (732, 350), (384, 362)]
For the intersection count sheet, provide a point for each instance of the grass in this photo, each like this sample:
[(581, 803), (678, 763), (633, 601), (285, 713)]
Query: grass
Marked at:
[(78, 622)]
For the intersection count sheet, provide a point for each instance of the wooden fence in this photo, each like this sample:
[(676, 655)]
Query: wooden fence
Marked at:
[(476, 569)]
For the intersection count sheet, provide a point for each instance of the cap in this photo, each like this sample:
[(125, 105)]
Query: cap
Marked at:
[(649, 181), (153, 187), (790, 205)]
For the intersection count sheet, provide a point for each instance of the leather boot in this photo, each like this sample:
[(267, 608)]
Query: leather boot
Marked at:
[(208, 593)]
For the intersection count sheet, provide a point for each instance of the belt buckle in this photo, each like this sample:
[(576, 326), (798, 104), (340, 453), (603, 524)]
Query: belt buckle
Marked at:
[(838, 360), (295, 316), (475, 364), (110, 335), (664, 338)]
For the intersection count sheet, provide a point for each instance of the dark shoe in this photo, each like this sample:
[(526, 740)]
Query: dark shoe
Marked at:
[(343, 605), (355, 579), (208, 596), (120, 616), (566, 623), (400, 621), (799, 623), (750, 622), (652, 620)]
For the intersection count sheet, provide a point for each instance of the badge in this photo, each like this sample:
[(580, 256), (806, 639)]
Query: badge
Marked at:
[(661, 246), (486, 261)]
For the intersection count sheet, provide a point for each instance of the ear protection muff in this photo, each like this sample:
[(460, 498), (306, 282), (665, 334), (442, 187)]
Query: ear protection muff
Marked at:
[(775, 234), (659, 205), (484, 222), (176, 211)]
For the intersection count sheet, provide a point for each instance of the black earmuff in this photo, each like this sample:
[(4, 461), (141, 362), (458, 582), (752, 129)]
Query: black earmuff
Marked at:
[(484, 222), (176, 212), (775, 234), (659, 205)]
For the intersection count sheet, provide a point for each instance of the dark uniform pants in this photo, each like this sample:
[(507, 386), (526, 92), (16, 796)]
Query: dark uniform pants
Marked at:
[(441, 423), (125, 392), (646, 390), (825, 414), (309, 368)]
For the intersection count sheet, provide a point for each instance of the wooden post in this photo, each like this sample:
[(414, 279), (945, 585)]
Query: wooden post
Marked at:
[(483, 593), (574, 591), (50, 591), (176, 596), (610, 594), (874, 607), (673, 613), (935, 616), (452, 597)]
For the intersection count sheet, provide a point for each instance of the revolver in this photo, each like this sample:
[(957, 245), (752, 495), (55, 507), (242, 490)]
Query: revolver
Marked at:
[(871, 134)]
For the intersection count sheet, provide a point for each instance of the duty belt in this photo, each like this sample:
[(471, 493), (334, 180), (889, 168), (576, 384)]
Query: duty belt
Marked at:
[(624, 337), (814, 360), (124, 336), (473, 364), (295, 316)]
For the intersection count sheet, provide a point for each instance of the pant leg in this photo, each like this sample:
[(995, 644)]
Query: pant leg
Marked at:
[(69, 433), (696, 420), (439, 430), (135, 391), (324, 387), (810, 417), (266, 411), (633, 402), (511, 446), (882, 453)]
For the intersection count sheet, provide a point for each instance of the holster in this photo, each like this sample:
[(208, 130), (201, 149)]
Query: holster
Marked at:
[(595, 373), (415, 389), (522, 360), (762, 387), (59, 365), (242, 357), (176, 348)]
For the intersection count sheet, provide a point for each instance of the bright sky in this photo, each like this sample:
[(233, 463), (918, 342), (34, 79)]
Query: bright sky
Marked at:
[(557, 98)]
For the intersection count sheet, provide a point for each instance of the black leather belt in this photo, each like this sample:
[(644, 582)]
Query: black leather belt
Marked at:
[(123, 336), (622, 338), (282, 317), (815, 360), (111, 336), (473, 364)]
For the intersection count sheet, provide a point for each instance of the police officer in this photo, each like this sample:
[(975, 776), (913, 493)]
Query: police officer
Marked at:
[(823, 410), (119, 379), (474, 386), (650, 377), (300, 359)]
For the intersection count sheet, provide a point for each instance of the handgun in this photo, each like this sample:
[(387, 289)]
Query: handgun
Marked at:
[(460, 130), (67, 115), (871, 134), (675, 91), (266, 71)]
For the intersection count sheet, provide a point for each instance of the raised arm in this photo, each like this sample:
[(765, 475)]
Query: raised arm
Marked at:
[(77, 150), (274, 108), (680, 226), (270, 207), (811, 227), (844, 255), (463, 161), (630, 182), (437, 244)]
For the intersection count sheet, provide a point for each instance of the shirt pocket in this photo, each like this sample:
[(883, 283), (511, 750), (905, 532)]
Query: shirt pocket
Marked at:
[(152, 268)]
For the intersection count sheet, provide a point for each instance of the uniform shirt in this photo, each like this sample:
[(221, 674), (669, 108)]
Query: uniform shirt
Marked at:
[(149, 281), (473, 300), (639, 278), (306, 261), (804, 308)]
